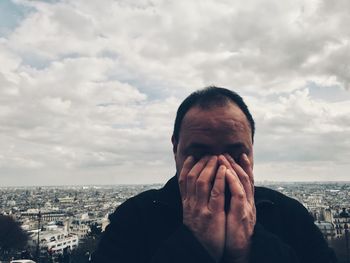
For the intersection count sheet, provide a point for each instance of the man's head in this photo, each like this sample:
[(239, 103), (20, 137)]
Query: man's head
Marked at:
[(212, 121)]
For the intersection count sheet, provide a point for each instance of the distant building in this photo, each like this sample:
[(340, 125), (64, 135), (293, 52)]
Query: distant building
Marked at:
[(327, 215), (328, 229), (66, 200), (342, 222), (79, 228), (46, 216), (55, 241)]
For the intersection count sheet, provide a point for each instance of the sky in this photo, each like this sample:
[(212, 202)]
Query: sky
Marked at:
[(89, 89)]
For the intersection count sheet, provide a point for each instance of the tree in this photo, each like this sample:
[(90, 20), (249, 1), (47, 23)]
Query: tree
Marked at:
[(12, 236), (87, 245), (84, 250), (96, 230)]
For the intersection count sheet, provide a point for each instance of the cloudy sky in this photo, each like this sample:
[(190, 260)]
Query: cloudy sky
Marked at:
[(89, 89)]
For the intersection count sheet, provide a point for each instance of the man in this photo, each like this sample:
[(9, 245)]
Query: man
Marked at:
[(210, 211)]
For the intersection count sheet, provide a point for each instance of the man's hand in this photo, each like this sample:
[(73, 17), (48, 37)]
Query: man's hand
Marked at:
[(241, 216), (202, 187)]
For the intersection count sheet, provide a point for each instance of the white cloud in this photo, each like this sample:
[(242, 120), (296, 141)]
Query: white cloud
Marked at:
[(89, 89), (297, 130)]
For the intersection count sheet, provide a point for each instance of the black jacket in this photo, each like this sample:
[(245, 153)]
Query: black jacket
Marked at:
[(148, 228)]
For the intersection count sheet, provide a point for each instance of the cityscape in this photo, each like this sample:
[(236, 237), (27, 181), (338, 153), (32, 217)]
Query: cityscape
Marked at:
[(64, 223)]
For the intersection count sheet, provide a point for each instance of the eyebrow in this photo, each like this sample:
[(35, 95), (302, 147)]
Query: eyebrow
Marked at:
[(198, 145), (238, 145)]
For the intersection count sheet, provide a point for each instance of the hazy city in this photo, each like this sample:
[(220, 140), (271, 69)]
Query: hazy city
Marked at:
[(64, 220)]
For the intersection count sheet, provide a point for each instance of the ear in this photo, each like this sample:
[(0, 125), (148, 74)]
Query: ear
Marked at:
[(174, 142)]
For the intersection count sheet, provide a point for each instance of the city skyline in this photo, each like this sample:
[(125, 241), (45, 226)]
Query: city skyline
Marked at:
[(159, 185), (76, 212), (89, 90)]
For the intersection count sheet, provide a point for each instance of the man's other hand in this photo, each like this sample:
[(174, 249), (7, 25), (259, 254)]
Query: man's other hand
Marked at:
[(241, 216), (202, 188)]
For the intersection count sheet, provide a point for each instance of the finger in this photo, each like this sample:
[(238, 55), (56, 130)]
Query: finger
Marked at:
[(204, 181), (230, 163), (223, 161), (243, 177), (192, 176), (187, 166), (247, 166), (238, 195), (217, 195)]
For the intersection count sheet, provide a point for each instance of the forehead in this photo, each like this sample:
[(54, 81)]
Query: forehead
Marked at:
[(217, 120)]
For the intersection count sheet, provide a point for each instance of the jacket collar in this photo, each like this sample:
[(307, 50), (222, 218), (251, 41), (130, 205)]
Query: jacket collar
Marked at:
[(169, 196)]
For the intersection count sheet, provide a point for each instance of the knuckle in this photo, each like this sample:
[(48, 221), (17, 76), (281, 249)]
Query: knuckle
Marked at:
[(201, 183), (191, 176), (245, 177), (207, 214), (182, 182), (185, 201), (215, 193), (239, 196)]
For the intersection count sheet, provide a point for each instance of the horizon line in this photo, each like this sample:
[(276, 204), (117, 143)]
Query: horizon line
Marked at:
[(162, 183)]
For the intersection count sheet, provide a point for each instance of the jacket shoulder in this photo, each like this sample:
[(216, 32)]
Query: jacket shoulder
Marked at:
[(267, 196), (280, 213), (137, 203)]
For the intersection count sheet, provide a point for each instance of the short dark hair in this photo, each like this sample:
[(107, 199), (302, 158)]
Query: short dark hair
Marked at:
[(210, 97)]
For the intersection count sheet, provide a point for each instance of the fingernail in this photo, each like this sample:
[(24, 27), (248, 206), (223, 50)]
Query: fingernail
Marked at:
[(228, 157), (222, 167), (190, 158), (221, 157)]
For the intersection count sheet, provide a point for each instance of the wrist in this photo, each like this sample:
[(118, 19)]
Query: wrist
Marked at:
[(237, 256), (240, 259)]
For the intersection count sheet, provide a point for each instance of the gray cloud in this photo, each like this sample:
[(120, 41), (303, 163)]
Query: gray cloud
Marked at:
[(89, 91)]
